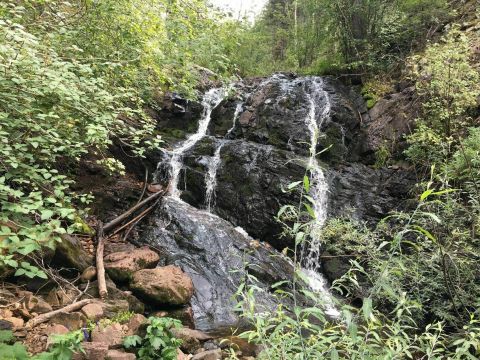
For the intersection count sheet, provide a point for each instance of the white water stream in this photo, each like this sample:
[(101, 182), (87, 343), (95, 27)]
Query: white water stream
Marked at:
[(215, 161), (318, 185), (319, 193), (210, 101)]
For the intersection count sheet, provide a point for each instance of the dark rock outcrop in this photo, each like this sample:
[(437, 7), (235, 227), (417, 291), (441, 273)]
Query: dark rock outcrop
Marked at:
[(214, 253)]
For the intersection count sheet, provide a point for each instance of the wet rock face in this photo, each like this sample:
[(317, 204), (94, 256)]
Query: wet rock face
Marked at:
[(212, 252), (274, 113), (263, 150)]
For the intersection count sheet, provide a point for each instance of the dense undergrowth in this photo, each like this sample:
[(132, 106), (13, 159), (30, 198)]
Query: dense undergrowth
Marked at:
[(74, 76), (416, 273)]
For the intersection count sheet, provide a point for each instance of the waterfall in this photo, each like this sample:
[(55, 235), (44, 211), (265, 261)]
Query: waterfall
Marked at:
[(319, 193), (210, 101), (215, 160)]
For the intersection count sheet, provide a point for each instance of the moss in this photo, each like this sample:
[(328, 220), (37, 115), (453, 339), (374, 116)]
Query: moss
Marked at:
[(371, 103)]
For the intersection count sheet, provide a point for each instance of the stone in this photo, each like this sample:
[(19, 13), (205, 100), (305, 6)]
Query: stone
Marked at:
[(116, 299), (209, 355), (61, 297), (40, 306), (89, 274), (93, 311), (167, 285), (119, 355), (5, 313), (191, 339), (17, 323), (111, 335), (210, 250), (154, 188), (54, 329), (182, 356), (114, 307), (72, 321), (184, 315), (93, 351), (70, 253), (5, 325), (135, 324), (120, 266)]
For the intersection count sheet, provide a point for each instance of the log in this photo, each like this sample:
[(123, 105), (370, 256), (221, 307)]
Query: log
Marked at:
[(102, 284), (112, 224), (47, 316)]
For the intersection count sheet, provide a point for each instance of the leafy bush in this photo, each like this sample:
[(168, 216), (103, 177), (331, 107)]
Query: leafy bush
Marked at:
[(159, 342), (52, 111), (10, 351), (420, 289), (63, 346)]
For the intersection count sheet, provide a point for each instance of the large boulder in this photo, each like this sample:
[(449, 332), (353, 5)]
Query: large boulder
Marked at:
[(120, 266), (214, 253), (167, 285)]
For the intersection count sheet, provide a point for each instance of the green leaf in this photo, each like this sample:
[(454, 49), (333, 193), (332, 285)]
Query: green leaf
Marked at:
[(46, 214), (306, 183), (294, 185)]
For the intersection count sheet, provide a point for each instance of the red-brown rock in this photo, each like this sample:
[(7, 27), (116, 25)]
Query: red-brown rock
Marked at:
[(119, 355), (191, 339), (209, 355), (72, 321), (135, 324), (111, 335), (93, 351), (167, 285), (120, 266), (93, 311)]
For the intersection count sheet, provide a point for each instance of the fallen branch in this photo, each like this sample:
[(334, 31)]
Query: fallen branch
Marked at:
[(135, 219), (102, 285), (145, 184), (112, 224), (47, 316)]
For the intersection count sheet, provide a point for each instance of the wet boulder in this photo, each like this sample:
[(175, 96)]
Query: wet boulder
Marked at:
[(213, 253)]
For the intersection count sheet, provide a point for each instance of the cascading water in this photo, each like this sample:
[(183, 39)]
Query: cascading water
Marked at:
[(318, 192), (210, 101), (208, 247), (211, 175)]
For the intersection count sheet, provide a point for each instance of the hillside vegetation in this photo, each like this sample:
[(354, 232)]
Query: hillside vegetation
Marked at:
[(77, 76)]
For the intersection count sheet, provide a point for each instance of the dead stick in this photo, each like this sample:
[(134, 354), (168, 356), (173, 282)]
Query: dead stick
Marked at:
[(135, 221), (47, 316), (145, 183), (109, 226), (102, 285), (138, 217)]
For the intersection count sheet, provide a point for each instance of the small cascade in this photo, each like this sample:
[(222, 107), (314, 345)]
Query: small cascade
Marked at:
[(210, 101), (211, 175), (319, 193)]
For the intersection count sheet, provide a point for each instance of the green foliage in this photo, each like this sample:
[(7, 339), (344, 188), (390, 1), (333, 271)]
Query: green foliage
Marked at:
[(448, 83), (10, 351), (415, 273), (53, 111), (63, 346), (382, 156), (449, 86), (159, 342), (326, 36)]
